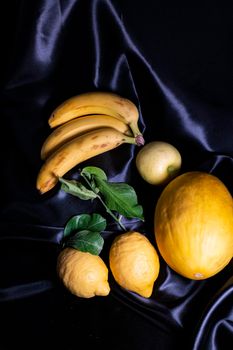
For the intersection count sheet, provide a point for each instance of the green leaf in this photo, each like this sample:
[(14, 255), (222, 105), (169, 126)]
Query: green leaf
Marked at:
[(120, 197), (93, 222), (93, 170), (87, 241), (77, 189)]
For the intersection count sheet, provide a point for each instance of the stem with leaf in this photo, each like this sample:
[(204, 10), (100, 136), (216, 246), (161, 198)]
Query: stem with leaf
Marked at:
[(116, 197), (103, 203)]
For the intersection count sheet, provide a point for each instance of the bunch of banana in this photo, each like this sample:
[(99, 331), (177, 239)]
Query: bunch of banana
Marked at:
[(97, 102), (79, 126), (86, 125)]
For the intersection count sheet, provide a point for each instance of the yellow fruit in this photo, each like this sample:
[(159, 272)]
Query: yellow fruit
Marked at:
[(98, 102), (158, 162), (194, 225), (77, 127), (84, 274), (134, 263), (78, 150)]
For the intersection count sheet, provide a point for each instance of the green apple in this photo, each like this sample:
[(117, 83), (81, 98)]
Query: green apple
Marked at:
[(158, 162)]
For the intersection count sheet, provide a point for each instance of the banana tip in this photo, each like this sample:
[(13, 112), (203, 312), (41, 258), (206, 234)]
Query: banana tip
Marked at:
[(40, 191)]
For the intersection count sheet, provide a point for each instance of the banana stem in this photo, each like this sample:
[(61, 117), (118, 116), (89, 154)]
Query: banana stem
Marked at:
[(137, 140), (137, 134)]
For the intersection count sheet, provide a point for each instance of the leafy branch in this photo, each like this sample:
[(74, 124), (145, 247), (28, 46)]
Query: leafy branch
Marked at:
[(114, 196)]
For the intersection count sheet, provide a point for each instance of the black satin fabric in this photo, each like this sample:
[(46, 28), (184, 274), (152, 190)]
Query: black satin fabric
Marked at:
[(174, 61)]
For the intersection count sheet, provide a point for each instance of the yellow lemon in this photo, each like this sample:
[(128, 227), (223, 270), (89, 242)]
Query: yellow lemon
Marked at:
[(158, 162), (134, 263), (84, 274), (194, 225)]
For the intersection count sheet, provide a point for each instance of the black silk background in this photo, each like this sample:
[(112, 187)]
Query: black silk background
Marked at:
[(174, 61)]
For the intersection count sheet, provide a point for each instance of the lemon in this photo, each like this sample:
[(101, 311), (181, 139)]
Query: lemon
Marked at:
[(84, 274), (134, 263), (158, 162)]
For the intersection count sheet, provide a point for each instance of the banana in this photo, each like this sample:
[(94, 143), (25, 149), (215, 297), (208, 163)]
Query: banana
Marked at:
[(98, 102), (76, 151), (78, 126)]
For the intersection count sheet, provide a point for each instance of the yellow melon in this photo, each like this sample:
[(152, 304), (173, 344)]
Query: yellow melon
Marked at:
[(193, 225)]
